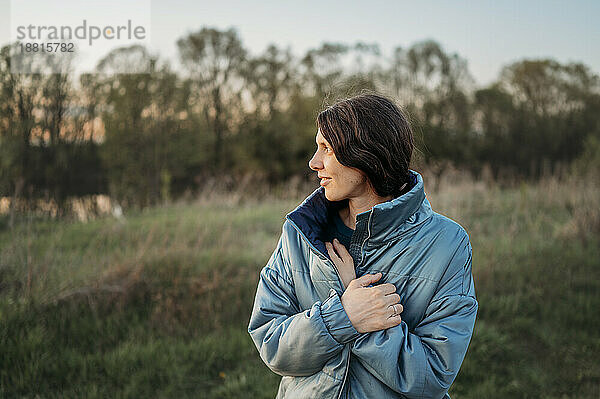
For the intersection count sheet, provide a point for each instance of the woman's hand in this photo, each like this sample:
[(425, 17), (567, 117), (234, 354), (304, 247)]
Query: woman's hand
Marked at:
[(368, 308), (342, 260), (372, 308)]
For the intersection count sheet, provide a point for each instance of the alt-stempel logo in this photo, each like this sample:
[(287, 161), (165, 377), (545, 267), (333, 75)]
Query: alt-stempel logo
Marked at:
[(80, 36), (89, 33)]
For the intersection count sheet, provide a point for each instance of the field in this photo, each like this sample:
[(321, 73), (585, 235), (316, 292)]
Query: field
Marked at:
[(156, 304)]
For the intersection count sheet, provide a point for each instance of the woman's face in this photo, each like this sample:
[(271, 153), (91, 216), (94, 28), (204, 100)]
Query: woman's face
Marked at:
[(340, 182)]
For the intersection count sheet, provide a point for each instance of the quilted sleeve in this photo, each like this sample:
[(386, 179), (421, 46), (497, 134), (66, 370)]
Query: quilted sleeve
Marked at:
[(292, 341)]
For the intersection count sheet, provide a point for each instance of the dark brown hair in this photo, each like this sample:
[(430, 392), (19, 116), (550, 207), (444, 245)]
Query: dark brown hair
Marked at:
[(370, 133)]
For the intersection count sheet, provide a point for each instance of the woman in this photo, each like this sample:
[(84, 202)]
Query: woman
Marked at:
[(369, 293)]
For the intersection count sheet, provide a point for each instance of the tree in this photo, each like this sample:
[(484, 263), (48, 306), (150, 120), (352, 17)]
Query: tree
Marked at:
[(150, 145), (19, 95), (322, 68), (127, 151), (556, 107), (434, 87), (213, 59), (268, 78)]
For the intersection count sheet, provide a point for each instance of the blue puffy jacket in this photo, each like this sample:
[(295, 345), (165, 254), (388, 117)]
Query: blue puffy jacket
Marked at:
[(302, 332)]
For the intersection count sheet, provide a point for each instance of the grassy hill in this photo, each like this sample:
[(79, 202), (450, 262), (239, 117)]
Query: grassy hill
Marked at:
[(157, 304)]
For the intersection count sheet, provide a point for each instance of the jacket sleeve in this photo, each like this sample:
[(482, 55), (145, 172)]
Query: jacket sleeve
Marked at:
[(292, 341), (423, 363)]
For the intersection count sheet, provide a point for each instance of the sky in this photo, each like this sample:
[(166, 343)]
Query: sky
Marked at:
[(488, 34)]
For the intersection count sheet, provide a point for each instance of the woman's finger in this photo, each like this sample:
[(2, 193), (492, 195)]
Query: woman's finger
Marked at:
[(332, 254), (393, 321), (392, 299), (341, 249)]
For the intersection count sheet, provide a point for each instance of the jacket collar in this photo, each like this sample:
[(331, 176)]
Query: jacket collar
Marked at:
[(385, 221)]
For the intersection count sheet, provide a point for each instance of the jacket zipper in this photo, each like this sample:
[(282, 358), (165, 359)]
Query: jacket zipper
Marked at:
[(345, 372), (362, 258), (362, 254), (310, 245)]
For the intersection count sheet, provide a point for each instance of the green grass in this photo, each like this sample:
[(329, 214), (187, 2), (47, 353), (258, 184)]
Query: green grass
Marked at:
[(157, 304)]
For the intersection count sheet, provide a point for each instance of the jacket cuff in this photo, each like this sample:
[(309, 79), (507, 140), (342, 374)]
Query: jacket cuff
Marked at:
[(336, 320)]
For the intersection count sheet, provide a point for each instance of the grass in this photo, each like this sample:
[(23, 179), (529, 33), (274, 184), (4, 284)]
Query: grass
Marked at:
[(157, 304)]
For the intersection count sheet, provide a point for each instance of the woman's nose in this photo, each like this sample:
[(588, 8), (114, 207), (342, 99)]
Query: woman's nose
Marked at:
[(315, 163)]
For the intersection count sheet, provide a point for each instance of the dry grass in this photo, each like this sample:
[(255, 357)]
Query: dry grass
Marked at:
[(163, 295)]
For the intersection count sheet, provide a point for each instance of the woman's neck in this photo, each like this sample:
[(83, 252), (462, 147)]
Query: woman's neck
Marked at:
[(358, 205)]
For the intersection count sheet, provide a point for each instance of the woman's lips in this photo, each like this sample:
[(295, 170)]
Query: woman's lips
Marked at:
[(325, 181)]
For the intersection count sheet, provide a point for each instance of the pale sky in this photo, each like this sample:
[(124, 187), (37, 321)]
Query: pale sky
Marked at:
[(489, 34)]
